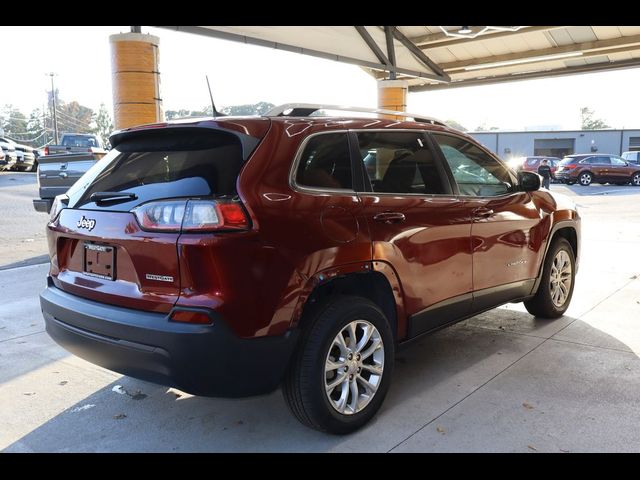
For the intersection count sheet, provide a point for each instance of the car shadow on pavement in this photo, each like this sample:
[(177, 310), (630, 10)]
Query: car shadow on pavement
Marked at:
[(37, 260), (502, 360)]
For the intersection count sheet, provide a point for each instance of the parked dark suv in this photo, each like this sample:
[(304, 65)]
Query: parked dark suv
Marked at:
[(229, 256), (600, 168)]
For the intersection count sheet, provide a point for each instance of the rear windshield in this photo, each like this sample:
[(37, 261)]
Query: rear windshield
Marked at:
[(79, 141), (568, 160), (169, 167)]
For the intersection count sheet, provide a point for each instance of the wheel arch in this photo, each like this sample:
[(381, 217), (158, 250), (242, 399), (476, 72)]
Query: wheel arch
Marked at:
[(568, 230), (372, 283)]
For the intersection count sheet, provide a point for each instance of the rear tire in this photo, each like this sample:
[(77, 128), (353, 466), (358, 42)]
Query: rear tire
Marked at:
[(558, 279), (635, 179), (335, 384), (585, 179)]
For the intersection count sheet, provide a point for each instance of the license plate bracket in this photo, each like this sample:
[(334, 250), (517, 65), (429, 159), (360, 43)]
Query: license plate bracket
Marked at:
[(100, 261)]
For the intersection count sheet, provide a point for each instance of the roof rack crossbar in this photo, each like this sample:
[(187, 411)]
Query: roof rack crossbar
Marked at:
[(306, 109)]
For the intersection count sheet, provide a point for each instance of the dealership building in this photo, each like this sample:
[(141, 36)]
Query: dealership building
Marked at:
[(558, 143)]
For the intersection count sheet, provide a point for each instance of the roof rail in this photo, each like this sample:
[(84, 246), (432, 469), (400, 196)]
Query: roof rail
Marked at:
[(306, 109)]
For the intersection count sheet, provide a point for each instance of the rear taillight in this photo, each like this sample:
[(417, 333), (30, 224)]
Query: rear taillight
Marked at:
[(191, 215), (59, 203), (46, 150), (570, 166)]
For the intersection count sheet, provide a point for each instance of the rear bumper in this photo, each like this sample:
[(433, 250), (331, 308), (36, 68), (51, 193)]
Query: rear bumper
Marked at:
[(43, 204), (204, 360), (564, 177)]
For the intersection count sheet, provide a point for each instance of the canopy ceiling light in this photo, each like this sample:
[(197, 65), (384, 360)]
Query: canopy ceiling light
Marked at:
[(467, 32), (519, 61)]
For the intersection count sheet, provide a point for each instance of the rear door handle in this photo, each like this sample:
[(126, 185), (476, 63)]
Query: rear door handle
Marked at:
[(482, 212), (390, 217)]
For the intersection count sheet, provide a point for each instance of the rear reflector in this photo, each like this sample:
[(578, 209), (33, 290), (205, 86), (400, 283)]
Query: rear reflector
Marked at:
[(191, 215), (185, 316)]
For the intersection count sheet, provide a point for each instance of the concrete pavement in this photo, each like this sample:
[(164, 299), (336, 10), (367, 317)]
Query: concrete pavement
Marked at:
[(502, 381), (22, 229)]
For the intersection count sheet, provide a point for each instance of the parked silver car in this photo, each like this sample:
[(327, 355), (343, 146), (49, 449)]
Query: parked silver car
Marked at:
[(9, 148)]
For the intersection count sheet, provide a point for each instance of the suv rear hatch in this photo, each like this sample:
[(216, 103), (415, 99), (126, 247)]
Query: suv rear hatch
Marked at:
[(116, 242)]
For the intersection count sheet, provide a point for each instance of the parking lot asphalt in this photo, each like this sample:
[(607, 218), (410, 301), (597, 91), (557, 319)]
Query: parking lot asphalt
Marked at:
[(502, 381)]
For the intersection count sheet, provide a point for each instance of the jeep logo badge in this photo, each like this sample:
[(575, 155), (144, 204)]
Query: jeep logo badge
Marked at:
[(87, 223)]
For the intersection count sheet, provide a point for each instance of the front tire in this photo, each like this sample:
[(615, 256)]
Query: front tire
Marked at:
[(556, 286), (342, 369)]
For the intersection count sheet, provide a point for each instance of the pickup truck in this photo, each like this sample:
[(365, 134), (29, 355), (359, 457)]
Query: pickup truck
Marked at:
[(76, 143), (56, 173)]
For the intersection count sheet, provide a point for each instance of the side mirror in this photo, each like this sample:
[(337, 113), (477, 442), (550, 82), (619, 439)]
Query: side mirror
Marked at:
[(528, 181)]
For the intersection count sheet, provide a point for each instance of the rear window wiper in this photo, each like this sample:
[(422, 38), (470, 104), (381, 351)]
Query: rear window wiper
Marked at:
[(99, 197)]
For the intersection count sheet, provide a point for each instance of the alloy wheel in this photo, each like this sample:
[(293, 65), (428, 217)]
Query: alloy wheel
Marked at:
[(560, 278), (354, 367)]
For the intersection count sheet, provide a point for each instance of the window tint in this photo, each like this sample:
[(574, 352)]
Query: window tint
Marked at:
[(326, 162), (617, 161), (475, 172), (400, 162)]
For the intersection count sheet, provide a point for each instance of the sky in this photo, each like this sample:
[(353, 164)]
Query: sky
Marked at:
[(240, 74)]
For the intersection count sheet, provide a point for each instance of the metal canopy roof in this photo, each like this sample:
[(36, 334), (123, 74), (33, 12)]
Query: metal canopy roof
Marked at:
[(432, 57)]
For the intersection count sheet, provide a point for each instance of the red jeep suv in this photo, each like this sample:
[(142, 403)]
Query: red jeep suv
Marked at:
[(228, 256)]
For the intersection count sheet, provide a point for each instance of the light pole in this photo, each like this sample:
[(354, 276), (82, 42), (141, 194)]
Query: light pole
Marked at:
[(53, 99)]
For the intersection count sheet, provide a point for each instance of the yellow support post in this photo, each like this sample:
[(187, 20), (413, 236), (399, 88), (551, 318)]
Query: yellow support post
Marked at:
[(135, 79), (392, 95)]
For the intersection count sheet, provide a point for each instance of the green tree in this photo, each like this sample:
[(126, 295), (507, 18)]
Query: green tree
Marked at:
[(13, 121), (590, 123), (173, 114), (73, 117), (39, 133), (103, 124), (456, 125), (248, 109), (485, 128)]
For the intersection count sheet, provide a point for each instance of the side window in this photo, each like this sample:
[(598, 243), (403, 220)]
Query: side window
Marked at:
[(617, 161), (601, 160), (401, 162), (475, 172), (326, 163)]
